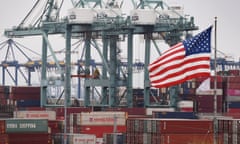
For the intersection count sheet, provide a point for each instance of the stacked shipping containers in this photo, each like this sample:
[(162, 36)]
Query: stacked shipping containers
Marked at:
[(228, 131), (204, 100), (169, 131), (98, 123), (6, 105), (232, 94), (25, 96), (22, 131)]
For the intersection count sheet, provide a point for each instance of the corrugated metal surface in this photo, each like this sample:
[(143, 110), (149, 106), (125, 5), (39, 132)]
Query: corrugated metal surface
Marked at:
[(228, 131), (50, 115), (175, 115), (99, 131), (2, 127), (102, 118), (205, 103), (4, 139), (82, 139), (130, 111), (29, 138), (187, 138), (164, 131), (26, 125), (108, 138), (186, 105), (149, 111)]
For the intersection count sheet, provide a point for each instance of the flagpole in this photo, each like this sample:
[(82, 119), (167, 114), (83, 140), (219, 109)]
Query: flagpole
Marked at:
[(215, 81)]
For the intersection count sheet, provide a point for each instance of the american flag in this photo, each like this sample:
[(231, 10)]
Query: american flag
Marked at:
[(183, 61)]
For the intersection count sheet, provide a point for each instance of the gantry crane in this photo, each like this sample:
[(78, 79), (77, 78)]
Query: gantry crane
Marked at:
[(106, 24)]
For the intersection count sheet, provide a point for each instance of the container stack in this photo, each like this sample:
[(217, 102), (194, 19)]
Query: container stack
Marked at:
[(228, 131), (232, 94), (114, 138), (169, 131), (25, 96), (204, 100), (54, 125), (22, 131), (98, 123), (6, 105), (72, 138)]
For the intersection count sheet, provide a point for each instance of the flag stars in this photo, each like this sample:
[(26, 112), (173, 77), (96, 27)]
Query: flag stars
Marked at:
[(198, 44)]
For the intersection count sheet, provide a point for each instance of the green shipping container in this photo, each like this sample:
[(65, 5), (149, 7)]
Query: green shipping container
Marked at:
[(26, 125)]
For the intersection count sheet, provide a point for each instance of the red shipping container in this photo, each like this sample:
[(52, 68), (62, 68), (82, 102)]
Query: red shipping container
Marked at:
[(233, 79), (25, 90), (233, 85), (100, 130), (56, 126), (4, 139), (24, 96), (34, 138), (234, 72), (187, 138), (194, 126), (130, 111), (233, 92), (60, 110), (2, 127)]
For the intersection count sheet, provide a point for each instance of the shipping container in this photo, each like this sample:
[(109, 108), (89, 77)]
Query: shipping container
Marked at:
[(73, 138), (174, 115), (55, 126), (186, 105), (26, 125), (29, 138), (163, 126), (187, 138), (129, 111), (149, 111), (114, 138), (4, 139), (28, 103), (102, 118), (228, 131), (99, 130), (2, 127), (50, 115), (25, 90)]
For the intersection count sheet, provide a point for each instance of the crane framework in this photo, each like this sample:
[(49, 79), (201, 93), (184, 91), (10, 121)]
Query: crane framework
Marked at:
[(110, 27)]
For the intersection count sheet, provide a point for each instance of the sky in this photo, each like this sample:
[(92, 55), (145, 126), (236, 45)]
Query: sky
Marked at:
[(204, 12), (12, 13)]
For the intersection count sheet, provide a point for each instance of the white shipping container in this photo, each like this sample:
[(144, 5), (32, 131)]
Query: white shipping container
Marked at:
[(50, 115), (185, 103), (233, 98), (210, 92), (82, 139), (150, 110), (143, 17), (102, 118)]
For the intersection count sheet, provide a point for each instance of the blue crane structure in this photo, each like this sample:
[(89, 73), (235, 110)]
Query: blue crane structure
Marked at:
[(107, 24)]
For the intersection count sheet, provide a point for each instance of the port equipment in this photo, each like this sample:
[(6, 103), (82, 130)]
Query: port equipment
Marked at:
[(12, 67), (100, 21)]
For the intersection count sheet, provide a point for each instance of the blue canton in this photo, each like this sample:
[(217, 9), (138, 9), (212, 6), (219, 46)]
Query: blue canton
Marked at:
[(200, 43)]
